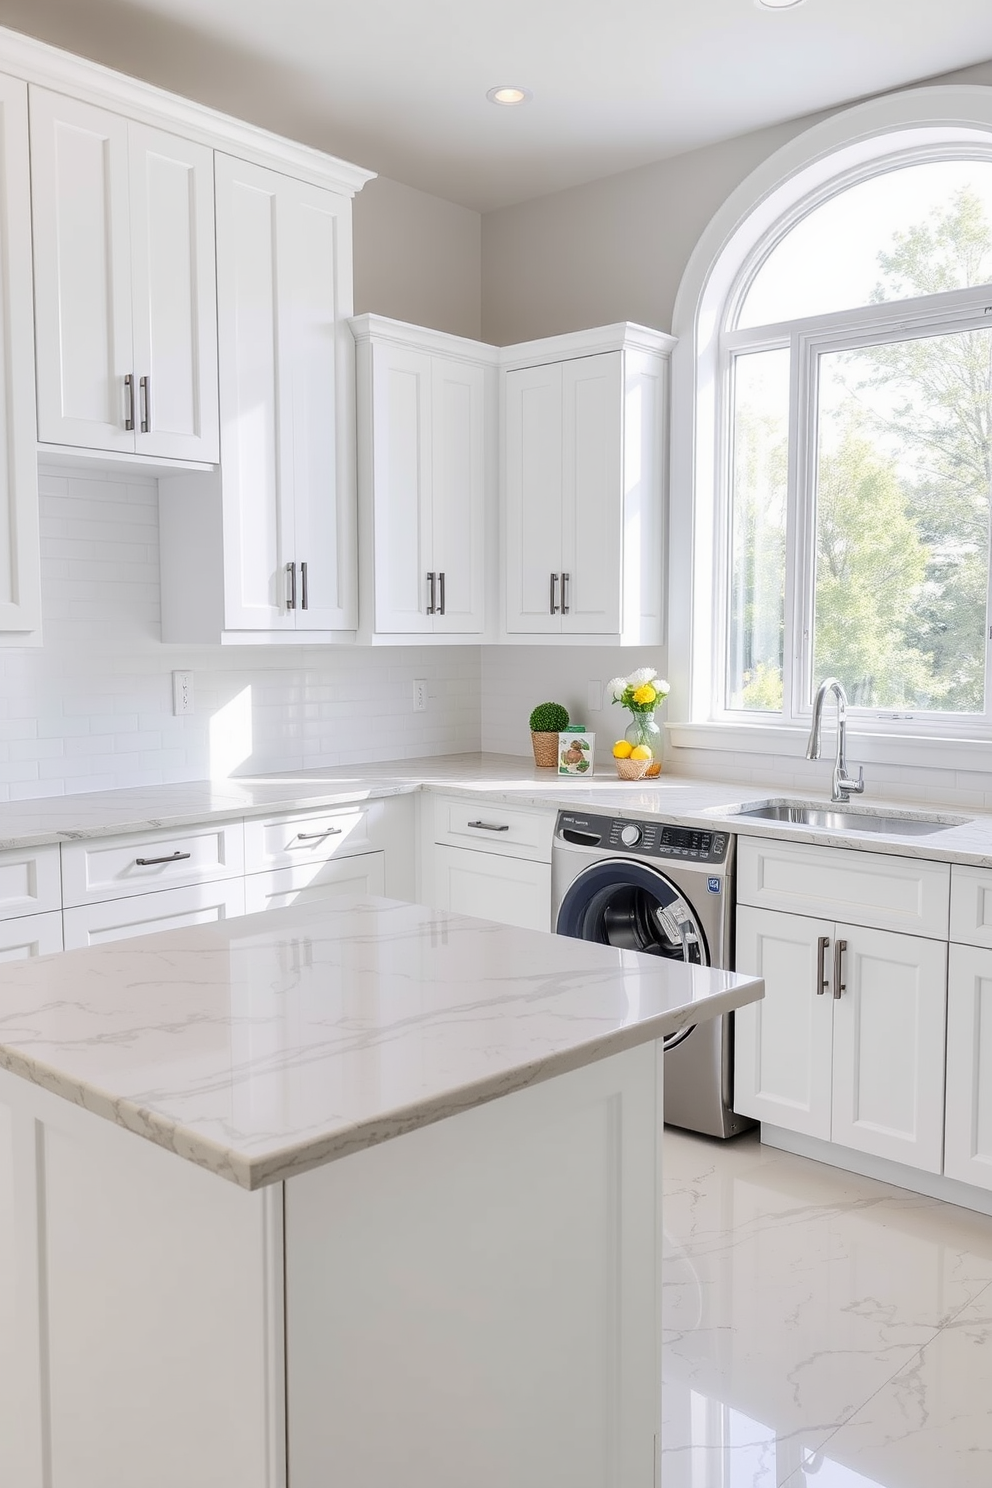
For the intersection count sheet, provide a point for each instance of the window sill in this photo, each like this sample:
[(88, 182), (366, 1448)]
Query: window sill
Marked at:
[(926, 751)]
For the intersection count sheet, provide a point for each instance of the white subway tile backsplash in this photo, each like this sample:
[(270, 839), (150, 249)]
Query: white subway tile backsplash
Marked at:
[(91, 709)]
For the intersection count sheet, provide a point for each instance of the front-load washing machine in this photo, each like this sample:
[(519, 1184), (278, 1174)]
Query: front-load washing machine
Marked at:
[(647, 886)]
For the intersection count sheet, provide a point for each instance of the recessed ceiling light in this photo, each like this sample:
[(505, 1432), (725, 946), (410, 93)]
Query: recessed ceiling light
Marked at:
[(509, 96), (778, 4)]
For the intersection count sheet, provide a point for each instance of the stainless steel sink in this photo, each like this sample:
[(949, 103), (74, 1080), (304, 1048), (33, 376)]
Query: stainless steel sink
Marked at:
[(848, 819)]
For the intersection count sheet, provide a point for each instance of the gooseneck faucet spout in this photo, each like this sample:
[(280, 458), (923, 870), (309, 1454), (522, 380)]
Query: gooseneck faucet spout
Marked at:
[(842, 785)]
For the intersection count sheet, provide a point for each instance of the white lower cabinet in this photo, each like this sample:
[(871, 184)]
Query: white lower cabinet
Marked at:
[(140, 914), (512, 891), (306, 883), (968, 1103), (848, 1044), (30, 935)]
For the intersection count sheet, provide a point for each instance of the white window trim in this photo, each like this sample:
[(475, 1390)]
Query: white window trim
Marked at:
[(842, 147)]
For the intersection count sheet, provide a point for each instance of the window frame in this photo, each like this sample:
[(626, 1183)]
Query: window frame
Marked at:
[(952, 122)]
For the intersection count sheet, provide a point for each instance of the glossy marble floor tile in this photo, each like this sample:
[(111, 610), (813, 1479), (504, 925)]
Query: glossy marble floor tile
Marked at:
[(795, 1296)]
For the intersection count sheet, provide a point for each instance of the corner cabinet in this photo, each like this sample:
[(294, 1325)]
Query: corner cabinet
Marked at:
[(20, 562), (584, 461), (265, 549), (124, 284), (426, 482)]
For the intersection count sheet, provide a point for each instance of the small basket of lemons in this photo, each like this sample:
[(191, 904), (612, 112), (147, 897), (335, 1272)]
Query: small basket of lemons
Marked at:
[(631, 760)]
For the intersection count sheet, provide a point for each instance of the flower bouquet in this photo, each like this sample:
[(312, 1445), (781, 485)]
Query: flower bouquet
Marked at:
[(638, 753)]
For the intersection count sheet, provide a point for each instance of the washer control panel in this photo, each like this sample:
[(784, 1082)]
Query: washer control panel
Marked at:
[(653, 839)]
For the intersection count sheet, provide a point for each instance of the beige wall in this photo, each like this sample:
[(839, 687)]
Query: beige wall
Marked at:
[(418, 258), (616, 249)]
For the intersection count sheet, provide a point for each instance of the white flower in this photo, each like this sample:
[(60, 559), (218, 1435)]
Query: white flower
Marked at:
[(642, 675), (661, 687), (616, 687)]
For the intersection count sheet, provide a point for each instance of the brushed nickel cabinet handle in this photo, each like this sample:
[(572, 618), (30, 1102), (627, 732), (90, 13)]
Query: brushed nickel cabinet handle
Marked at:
[(565, 581), (440, 580), (291, 600), (482, 826), (554, 594), (176, 857), (146, 405), (432, 593), (304, 586), (822, 981), (129, 392), (840, 986), (316, 836)]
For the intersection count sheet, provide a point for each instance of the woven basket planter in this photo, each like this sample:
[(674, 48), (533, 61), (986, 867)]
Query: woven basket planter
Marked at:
[(629, 769), (545, 751)]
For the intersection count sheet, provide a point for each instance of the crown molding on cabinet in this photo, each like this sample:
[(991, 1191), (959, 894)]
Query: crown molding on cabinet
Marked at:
[(623, 336), (49, 67), (423, 338)]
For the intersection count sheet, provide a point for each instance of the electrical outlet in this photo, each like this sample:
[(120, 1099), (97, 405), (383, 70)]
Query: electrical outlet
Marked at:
[(182, 693), (420, 696)]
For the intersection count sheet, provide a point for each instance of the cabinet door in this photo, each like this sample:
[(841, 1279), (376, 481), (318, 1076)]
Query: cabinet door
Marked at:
[(533, 499), (316, 378), (888, 1095), (458, 494), (783, 1051), (32, 935), (592, 494), (255, 452), (401, 461), (305, 884), (20, 563), (173, 283), (968, 1105), (79, 180), (509, 890), (169, 909)]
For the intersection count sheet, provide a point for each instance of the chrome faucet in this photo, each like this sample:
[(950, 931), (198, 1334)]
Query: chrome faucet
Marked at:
[(841, 783)]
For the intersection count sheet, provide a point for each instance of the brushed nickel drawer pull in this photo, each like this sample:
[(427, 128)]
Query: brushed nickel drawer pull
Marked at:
[(176, 857), (440, 584), (482, 826), (432, 592), (305, 586), (316, 836), (145, 385), (553, 598), (840, 986), (822, 980), (565, 581), (291, 574), (129, 392)]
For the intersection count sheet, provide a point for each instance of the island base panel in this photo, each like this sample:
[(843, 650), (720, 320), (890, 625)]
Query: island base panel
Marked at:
[(141, 1321), (476, 1302)]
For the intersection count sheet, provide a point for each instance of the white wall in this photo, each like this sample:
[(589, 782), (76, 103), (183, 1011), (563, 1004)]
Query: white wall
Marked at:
[(92, 708), (418, 258)]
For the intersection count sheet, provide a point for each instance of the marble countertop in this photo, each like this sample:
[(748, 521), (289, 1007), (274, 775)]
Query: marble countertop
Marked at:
[(512, 779), (264, 1046)]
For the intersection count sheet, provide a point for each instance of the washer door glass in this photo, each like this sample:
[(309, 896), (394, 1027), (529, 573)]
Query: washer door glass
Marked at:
[(633, 907)]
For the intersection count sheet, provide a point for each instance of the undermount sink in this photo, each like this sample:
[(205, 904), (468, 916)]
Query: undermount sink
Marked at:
[(851, 819)]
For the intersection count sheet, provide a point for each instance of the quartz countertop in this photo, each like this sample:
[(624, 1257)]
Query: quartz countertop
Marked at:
[(512, 779), (264, 1046)]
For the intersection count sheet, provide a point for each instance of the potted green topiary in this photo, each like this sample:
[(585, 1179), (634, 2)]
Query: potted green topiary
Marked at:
[(546, 723)]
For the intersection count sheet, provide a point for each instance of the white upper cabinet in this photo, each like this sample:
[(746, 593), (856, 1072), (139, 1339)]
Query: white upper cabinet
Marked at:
[(124, 284), (584, 454), (20, 566), (266, 549), (426, 465)]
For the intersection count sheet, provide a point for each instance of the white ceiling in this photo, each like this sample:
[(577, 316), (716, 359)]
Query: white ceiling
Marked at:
[(399, 85)]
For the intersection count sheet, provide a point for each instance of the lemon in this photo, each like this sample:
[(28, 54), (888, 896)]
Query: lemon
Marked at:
[(640, 751), (621, 749)]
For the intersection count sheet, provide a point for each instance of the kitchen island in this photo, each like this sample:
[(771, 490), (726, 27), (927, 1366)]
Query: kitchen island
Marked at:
[(348, 1194)]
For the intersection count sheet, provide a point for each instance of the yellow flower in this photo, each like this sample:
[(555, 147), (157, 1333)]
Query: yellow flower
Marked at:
[(644, 695)]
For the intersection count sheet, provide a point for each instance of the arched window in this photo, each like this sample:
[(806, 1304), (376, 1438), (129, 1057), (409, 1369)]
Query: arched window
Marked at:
[(840, 460)]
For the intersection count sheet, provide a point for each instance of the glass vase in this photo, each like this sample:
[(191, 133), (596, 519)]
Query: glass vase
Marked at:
[(644, 730)]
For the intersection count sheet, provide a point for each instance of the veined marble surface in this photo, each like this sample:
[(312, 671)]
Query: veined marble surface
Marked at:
[(511, 779), (263, 1046)]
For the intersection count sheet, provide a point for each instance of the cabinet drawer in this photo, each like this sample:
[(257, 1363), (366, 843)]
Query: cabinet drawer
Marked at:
[(114, 867), (860, 888), (493, 829), (971, 906), (169, 909), (33, 935), (308, 836), (361, 874), (30, 881), (509, 890)]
